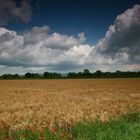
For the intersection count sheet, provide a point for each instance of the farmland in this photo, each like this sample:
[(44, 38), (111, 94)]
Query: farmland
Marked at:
[(65, 102)]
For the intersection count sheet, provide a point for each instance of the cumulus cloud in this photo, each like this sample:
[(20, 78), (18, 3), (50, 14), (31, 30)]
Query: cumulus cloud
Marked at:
[(9, 11), (122, 40), (38, 50), (54, 40)]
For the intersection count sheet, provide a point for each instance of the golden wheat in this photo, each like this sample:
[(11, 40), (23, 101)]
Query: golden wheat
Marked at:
[(65, 102)]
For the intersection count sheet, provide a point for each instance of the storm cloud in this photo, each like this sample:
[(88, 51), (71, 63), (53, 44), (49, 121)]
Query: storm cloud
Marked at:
[(122, 40), (9, 11)]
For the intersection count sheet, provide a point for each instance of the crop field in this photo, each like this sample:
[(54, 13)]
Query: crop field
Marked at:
[(65, 102)]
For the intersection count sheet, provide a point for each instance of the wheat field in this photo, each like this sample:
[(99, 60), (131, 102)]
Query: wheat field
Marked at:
[(65, 102)]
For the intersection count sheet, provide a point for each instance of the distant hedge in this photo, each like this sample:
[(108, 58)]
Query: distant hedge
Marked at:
[(73, 75)]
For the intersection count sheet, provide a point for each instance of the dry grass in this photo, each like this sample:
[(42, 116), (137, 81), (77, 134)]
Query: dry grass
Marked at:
[(24, 102)]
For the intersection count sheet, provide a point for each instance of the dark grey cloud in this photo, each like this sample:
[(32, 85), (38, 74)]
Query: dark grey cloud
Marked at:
[(122, 40), (9, 11)]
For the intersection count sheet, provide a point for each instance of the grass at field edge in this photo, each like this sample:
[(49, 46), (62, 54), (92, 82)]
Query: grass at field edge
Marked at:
[(127, 127)]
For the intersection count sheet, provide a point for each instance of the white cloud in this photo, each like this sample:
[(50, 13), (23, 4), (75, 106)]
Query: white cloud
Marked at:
[(38, 50)]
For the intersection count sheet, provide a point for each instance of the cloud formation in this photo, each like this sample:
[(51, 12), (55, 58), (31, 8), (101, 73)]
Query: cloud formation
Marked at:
[(54, 40), (122, 40), (38, 50), (9, 11)]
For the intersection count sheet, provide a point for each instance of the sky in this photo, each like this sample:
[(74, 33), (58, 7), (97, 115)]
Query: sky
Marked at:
[(69, 35)]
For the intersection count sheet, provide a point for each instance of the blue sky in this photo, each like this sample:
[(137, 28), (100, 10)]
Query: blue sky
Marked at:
[(69, 35), (73, 16)]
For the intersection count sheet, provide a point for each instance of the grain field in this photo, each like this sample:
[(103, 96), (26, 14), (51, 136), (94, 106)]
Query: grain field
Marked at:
[(65, 102)]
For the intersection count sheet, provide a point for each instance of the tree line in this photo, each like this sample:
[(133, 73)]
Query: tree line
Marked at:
[(73, 75)]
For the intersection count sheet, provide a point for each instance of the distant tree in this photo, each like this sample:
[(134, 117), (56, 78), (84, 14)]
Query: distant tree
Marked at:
[(51, 75), (32, 75), (85, 74), (80, 75), (10, 76), (46, 75), (28, 75), (98, 73), (16, 76), (72, 75), (86, 71)]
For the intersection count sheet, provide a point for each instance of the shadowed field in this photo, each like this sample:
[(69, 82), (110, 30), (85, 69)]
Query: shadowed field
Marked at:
[(65, 102)]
